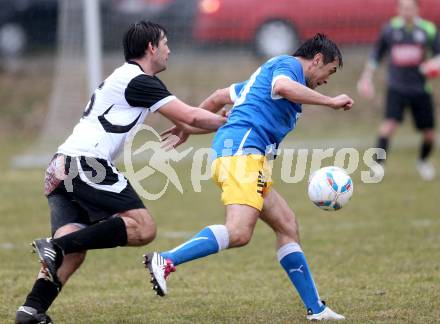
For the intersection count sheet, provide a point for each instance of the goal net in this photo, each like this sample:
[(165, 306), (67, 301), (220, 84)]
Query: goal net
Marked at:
[(69, 91)]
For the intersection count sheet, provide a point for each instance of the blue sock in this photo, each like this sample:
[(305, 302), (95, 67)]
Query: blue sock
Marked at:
[(210, 240), (294, 262)]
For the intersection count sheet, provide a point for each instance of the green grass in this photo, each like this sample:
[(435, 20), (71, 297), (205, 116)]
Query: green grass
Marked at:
[(376, 260)]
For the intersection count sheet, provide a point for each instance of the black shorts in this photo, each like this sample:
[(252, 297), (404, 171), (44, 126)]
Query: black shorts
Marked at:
[(85, 196), (421, 106)]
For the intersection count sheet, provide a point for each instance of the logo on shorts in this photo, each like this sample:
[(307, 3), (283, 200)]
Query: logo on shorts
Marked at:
[(261, 183)]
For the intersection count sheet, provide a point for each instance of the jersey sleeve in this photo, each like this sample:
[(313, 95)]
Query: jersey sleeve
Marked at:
[(381, 46), (235, 88), (289, 68), (147, 91), (436, 42)]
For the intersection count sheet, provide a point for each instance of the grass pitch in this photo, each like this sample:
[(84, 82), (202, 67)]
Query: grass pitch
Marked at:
[(376, 260)]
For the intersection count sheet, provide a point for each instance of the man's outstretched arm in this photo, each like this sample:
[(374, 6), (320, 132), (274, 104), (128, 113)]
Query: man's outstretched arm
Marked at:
[(213, 103), (179, 112), (298, 93)]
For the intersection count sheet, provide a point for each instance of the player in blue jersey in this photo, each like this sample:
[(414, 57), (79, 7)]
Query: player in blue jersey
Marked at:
[(266, 108)]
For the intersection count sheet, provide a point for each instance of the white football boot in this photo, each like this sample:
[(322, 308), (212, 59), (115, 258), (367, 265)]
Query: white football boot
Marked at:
[(159, 269), (426, 170), (326, 315)]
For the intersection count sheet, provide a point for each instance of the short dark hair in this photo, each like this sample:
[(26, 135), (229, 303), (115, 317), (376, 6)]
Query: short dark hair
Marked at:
[(320, 43), (138, 36)]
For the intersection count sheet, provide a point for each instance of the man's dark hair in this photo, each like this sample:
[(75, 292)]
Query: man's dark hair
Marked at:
[(138, 36), (320, 43)]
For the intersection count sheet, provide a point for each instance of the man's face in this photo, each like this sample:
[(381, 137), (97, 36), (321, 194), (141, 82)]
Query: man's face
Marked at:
[(319, 73), (408, 10), (160, 56)]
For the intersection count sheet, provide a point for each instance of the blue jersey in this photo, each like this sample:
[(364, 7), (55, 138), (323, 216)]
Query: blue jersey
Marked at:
[(259, 120)]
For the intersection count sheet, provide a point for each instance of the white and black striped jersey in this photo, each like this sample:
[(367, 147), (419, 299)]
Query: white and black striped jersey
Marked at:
[(121, 102)]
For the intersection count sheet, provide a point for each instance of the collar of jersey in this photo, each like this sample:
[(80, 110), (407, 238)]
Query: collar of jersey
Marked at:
[(135, 63)]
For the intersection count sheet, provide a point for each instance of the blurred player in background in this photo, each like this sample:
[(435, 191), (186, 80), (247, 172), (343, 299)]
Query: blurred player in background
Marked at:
[(266, 108), (413, 46), (93, 206)]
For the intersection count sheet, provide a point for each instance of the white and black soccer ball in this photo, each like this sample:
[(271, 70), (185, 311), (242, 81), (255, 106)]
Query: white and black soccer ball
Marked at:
[(330, 188)]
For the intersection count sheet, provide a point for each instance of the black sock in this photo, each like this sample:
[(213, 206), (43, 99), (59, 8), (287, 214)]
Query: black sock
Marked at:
[(425, 150), (106, 234), (382, 143), (42, 295)]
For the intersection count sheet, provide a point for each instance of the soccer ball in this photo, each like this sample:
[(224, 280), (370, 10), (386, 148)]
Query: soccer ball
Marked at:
[(330, 188)]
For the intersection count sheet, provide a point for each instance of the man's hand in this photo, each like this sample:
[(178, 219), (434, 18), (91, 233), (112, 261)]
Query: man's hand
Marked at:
[(365, 87), (173, 137), (341, 102), (431, 68), (225, 112)]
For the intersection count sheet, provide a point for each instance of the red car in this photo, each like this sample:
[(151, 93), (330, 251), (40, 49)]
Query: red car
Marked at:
[(275, 27)]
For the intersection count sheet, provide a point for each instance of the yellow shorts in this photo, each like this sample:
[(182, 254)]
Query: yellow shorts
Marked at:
[(243, 179)]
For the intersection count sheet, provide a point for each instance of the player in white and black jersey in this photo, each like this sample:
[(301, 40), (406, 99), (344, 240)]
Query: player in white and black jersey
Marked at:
[(93, 205)]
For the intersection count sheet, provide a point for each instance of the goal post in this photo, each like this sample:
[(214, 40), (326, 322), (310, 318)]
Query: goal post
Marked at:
[(77, 70)]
